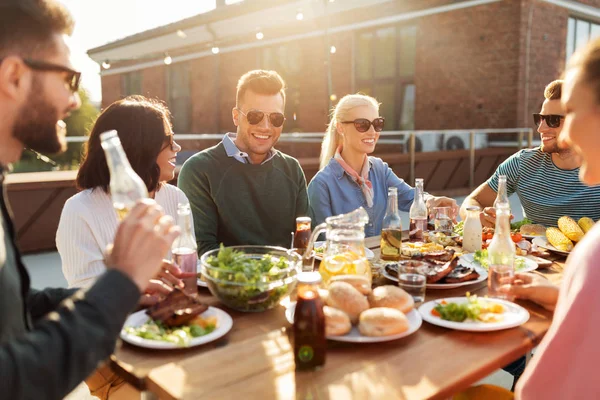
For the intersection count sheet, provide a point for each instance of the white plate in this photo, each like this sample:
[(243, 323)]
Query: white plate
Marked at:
[(530, 265), (224, 324), (480, 270), (200, 281), (514, 315), (530, 237), (543, 243), (368, 253), (354, 336)]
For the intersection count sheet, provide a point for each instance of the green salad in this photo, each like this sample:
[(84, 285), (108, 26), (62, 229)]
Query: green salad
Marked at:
[(481, 256), (459, 228), (515, 226), (181, 335), (246, 283), (475, 309)]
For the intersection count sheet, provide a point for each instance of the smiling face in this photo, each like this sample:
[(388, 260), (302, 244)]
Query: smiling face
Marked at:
[(548, 135), (257, 140), (582, 124), (166, 159), (353, 140)]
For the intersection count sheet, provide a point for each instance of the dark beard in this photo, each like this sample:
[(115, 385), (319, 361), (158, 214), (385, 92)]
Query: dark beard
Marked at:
[(35, 126)]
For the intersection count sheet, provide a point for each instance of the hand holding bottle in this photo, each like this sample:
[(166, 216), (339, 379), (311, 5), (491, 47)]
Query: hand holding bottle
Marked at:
[(141, 242)]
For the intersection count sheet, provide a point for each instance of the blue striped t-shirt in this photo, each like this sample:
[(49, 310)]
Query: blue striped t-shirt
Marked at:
[(547, 192)]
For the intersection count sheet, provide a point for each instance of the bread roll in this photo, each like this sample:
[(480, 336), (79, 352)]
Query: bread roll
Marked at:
[(532, 230), (360, 282), (337, 322), (392, 297), (344, 297), (382, 321)]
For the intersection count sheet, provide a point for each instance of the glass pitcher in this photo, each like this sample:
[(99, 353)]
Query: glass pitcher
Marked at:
[(344, 252)]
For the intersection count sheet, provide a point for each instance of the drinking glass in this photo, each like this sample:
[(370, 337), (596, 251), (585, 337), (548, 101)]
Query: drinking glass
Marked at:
[(308, 263), (442, 219), (498, 276), (412, 278)]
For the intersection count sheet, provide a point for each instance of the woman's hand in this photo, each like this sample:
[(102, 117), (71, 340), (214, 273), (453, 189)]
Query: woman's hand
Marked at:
[(435, 201), (533, 287), (169, 273), (155, 292)]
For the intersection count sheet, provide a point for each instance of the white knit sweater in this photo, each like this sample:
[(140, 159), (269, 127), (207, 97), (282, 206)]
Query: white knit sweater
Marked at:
[(88, 223)]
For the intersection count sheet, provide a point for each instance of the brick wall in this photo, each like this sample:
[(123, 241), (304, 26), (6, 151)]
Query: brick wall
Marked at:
[(154, 82), (111, 89)]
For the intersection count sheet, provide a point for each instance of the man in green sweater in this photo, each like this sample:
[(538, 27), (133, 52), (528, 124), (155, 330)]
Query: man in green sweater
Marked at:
[(243, 191)]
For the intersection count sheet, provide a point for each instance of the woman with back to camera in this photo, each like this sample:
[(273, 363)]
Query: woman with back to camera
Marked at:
[(349, 178), (88, 221)]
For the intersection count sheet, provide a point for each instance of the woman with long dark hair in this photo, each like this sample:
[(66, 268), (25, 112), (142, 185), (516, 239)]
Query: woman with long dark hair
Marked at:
[(88, 221)]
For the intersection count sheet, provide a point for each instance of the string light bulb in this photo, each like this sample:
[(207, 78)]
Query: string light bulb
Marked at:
[(168, 60), (215, 50), (259, 35), (299, 15), (332, 49), (181, 34), (106, 64)]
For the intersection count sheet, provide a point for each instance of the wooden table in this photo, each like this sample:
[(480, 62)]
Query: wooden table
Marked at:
[(255, 360)]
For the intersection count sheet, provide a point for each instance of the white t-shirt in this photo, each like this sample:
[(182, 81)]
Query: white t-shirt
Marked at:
[(88, 223)]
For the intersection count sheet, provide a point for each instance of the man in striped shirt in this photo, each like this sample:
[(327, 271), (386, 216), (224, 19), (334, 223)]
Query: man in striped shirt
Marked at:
[(545, 178)]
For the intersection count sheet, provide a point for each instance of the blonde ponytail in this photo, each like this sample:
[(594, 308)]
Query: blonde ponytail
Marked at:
[(332, 138)]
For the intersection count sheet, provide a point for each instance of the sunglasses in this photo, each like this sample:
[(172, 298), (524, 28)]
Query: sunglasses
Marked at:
[(169, 142), (552, 120), (255, 116), (363, 124), (72, 77)]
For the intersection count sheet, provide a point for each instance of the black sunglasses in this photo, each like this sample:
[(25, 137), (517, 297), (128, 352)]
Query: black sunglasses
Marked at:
[(363, 124), (255, 116), (552, 120), (72, 77), (169, 142)]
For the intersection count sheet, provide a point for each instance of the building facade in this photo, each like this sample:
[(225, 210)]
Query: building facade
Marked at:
[(433, 64)]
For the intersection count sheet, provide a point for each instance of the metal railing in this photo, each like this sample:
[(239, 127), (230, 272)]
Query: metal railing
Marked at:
[(407, 138)]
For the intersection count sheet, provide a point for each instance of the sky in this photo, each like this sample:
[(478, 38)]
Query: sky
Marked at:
[(102, 21)]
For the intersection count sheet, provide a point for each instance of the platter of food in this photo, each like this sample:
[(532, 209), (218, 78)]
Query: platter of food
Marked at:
[(545, 244), (479, 258), (474, 314), (320, 249), (444, 271), (356, 313), (177, 321)]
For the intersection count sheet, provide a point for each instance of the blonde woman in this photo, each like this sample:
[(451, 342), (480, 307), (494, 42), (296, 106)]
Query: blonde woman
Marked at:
[(349, 178)]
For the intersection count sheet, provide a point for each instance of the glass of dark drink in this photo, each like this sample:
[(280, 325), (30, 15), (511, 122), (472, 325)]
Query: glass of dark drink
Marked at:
[(309, 323), (302, 235)]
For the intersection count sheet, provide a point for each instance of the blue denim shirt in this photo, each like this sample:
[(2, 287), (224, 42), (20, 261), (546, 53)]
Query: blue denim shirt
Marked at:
[(333, 191)]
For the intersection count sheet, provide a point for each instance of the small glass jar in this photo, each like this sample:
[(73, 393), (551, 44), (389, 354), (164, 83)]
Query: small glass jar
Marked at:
[(472, 230)]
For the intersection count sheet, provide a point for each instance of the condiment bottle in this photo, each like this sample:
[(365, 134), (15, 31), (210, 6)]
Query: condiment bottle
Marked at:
[(302, 235), (472, 230), (126, 187), (418, 214), (391, 232), (310, 343)]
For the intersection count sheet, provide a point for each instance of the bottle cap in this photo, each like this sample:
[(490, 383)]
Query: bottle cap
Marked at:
[(303, 219), (309, 277)]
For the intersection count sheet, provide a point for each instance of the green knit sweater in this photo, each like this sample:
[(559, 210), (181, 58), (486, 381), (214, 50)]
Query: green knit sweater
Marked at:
[(243, 204)]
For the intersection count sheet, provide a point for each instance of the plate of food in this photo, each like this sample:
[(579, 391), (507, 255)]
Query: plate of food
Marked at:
[(177, 321), (356, 313), (320, 249), (545, 244), (443, 272), (475, 314), (480, 258)]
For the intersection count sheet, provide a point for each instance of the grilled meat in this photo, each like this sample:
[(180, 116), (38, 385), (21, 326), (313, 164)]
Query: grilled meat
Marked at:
[(437, 272), (439, 257), (176, 309), (461, 273)]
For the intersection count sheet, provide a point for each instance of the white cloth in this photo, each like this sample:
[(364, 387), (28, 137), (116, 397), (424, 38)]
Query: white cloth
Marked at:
[(88, 223)]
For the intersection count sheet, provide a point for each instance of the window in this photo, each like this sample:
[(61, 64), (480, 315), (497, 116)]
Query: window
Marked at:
[(286, 59), (178, 84), (131, 83), (385, 68), (579, 32)]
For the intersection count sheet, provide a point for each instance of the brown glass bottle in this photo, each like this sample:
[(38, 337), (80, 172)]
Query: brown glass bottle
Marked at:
[(310, 343)]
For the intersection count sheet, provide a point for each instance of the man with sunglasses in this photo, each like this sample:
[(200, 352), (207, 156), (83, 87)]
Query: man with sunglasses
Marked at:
[(545, 178), (243, 191), (51, 340)]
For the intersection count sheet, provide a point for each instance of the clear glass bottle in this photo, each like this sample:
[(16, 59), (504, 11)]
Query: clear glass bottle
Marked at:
[(310, 343), (185, 250), (501, 254), (502, 196), (391, 232), (472, 230), (126, 187), (418, 214)]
